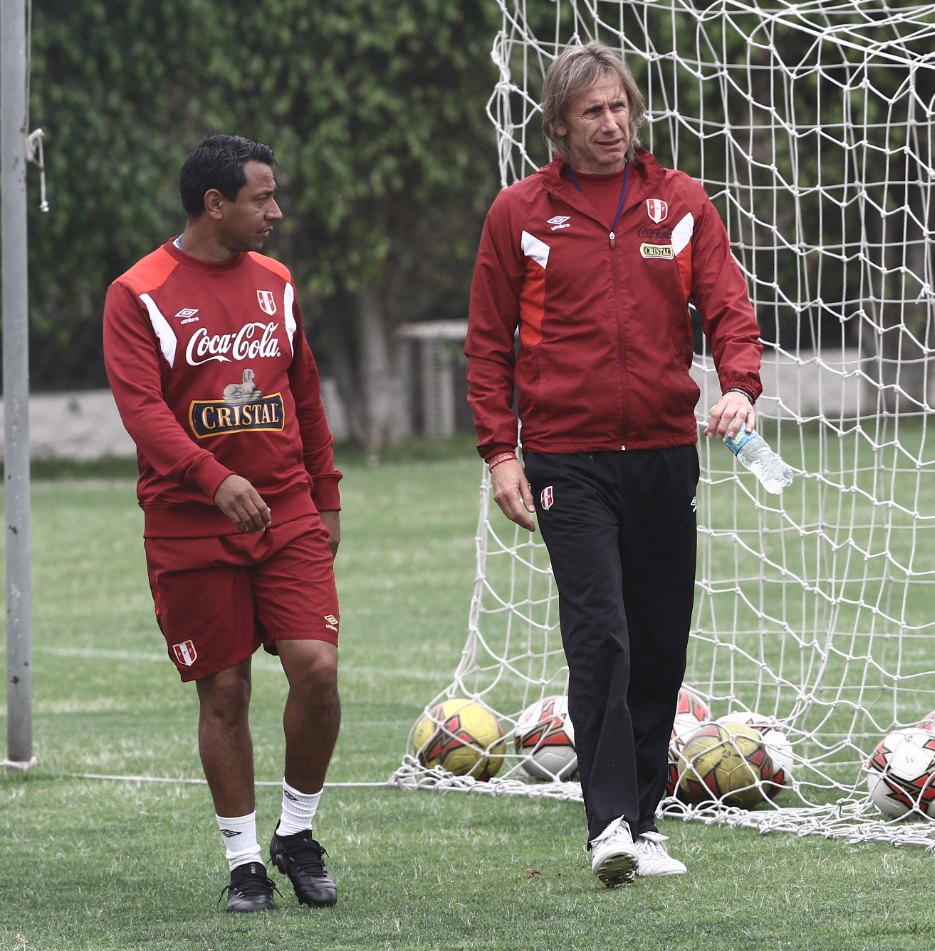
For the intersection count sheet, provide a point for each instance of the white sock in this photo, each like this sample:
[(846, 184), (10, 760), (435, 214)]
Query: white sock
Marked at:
[(240, 840), (298, 810)]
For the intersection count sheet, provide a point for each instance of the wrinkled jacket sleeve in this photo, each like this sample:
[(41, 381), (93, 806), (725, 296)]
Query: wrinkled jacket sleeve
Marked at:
[(494, 314), (138, 371), (317, 443), (719, 292)]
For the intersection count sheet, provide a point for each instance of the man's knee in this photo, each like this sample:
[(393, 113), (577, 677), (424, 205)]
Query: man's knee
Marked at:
[(226, 694), (311, 666)]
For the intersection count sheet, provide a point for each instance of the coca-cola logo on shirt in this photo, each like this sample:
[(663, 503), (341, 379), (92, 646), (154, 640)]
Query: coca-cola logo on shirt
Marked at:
[(648, 233), (253, 341)]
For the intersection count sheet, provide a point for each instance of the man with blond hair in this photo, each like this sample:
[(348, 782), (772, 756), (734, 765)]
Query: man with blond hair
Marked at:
[(596, 258)]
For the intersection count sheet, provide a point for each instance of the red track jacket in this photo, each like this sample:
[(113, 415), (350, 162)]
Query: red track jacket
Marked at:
[(605, 335), (212, 375)]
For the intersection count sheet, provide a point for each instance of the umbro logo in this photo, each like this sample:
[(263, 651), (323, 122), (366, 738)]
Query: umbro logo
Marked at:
[(289, 795), (559, 221), (187, 314), (331, 622), (694, 503), (229, 833)]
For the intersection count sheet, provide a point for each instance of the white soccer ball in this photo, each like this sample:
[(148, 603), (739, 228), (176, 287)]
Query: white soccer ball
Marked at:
[(774, 739), (545, 739), (690, 713), (901, 773)]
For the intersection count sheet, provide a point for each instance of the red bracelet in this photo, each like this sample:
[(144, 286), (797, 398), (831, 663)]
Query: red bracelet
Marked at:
[(503, 458)]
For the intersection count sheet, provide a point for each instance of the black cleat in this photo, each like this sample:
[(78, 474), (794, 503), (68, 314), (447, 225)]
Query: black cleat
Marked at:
[(300, 857), (251, 889)]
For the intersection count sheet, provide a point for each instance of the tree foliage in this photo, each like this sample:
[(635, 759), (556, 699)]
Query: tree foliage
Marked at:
[(375, 112)]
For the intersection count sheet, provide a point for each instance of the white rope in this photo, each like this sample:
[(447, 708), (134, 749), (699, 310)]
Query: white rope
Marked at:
[(181, 781), (36, 155)]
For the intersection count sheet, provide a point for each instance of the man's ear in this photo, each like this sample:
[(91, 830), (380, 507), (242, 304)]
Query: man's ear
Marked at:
[(213, 200)]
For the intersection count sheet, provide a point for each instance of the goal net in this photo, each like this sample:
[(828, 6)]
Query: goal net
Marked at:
[(810, 126)]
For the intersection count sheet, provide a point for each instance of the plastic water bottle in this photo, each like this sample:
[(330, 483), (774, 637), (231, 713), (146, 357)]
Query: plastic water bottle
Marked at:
[(753, 451)]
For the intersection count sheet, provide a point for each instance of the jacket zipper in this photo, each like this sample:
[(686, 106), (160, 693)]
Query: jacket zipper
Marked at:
[(623, 356)]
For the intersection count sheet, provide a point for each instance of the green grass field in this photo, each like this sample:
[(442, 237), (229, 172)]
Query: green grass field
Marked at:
[(105, 865)]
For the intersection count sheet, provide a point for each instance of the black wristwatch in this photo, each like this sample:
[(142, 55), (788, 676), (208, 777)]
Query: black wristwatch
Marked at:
[(737, 389)]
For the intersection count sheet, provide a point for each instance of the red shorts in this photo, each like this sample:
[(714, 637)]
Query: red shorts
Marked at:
[(218, 599)]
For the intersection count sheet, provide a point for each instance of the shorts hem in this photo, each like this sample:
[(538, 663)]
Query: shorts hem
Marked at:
[(329, 636), (188, 675)]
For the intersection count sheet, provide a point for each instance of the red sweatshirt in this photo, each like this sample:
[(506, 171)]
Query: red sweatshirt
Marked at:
[(605, 334), (212, 375)]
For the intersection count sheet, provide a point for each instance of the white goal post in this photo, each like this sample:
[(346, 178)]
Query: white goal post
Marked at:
[(810, 126)]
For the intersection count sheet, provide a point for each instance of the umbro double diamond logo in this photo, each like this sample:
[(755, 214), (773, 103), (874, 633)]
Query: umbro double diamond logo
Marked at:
[(559, 221), (229, 833)]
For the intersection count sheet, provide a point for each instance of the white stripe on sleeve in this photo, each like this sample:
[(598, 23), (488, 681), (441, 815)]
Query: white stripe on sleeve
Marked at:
[(166, 335), (288, 302), (682, 233), (535, 249)]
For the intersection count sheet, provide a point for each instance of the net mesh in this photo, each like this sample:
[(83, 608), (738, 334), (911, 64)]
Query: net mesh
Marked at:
[(810, 126)]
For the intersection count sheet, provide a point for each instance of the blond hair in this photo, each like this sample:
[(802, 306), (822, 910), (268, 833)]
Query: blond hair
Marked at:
[(575, 72)]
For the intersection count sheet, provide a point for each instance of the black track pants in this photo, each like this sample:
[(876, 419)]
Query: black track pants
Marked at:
[(620, 529)]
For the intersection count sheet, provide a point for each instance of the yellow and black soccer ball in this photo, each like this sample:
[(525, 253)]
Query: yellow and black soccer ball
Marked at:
[(729, 763), (462, 736)]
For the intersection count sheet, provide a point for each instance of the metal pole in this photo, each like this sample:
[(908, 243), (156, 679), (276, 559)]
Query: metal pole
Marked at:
[(13, 132)]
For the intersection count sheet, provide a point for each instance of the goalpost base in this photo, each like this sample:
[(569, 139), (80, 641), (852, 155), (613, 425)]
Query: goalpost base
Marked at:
[(18, 766)]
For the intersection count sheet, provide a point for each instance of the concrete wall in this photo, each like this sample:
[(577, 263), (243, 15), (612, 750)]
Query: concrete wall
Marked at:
[(81, 425), (86, 425), (817, 384)]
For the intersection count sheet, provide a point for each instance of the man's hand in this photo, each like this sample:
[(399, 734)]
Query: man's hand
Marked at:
[(332, 523), (242, 504), (733, 411), (511, 492)]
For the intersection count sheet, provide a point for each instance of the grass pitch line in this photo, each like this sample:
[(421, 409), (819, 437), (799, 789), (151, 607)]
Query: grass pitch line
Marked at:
[(259, 663), (181, 781)]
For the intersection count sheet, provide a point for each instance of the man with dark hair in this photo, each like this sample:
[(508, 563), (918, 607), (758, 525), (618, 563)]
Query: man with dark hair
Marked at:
[(596, 258), (216, 384)]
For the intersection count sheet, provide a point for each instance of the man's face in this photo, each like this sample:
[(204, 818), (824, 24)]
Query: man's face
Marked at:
[(246, 223), (597, 126)]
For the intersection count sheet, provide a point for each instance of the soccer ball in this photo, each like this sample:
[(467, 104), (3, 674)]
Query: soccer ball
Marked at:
[(461, 736), (727, 762), (775, 740), (672, 766), (545, 738), (689, 714), (901, 773)]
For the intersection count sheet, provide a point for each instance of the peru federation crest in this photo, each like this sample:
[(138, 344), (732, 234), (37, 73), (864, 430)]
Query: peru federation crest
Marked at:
[(185, 653), (657, 209), (267, 302), (545, 498)]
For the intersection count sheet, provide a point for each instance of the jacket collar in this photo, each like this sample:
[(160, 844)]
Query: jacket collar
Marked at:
[(646, 174)]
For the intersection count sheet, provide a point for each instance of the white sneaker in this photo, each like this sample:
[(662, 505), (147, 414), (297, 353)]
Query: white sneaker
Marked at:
[(655, 860), (614, 858)]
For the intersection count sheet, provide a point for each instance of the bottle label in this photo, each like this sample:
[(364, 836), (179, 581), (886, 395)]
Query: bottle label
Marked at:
[(736, 443)]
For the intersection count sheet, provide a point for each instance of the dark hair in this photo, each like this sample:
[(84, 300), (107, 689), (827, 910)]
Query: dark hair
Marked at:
[(217, 162)]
